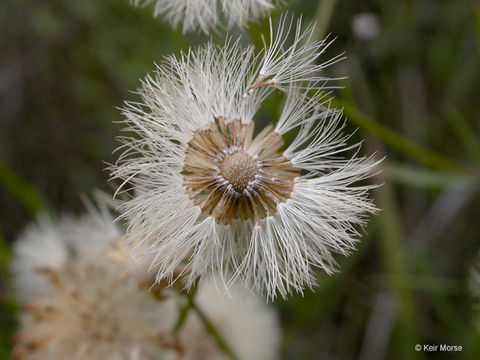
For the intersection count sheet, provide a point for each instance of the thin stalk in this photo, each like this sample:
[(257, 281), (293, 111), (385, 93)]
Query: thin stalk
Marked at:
[(186, 309), (182, 317), (222, 344)]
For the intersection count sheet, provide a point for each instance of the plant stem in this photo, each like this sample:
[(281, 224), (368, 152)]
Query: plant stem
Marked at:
[(186, 309), (182, 317), (215, 334)]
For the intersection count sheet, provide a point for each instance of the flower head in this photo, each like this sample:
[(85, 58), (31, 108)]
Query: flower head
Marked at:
[(92, 313), (77, 303), (205, 15), (214, 191)]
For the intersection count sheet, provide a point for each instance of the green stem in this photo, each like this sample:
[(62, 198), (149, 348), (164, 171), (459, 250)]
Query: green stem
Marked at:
[(186, 309), (222, 344), (182, 317)]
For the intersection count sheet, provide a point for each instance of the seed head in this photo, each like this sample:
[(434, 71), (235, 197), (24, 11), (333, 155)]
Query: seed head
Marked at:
[(93, 313), (205, 15), (210, 195), (80, 304), (232, 176)]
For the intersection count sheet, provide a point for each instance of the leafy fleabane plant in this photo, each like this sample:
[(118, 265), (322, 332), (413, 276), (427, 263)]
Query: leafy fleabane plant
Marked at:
[(208, 15), (211, 196)]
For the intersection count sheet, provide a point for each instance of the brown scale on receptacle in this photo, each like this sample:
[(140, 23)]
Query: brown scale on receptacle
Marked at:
[(232, 175)]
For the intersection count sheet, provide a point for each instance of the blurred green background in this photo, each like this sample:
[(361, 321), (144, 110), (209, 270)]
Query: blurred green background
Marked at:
[(413, 89)]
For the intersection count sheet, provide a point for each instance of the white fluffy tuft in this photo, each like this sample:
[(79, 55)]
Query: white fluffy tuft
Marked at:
[(204, 15), (287, 66), (49, 244), (325, 207)]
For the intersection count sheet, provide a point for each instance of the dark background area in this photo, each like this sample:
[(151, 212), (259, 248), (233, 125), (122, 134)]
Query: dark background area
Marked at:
[(413, 89)]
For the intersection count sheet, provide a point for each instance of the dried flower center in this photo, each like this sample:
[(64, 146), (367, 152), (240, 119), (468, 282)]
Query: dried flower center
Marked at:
[(232, 175), (239, 169)]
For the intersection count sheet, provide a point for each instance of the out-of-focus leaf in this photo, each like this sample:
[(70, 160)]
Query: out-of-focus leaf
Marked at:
[(397, 141), (323, 17), (476, 19), (465, 133), (27, 195), (4, 254), (424, 283)]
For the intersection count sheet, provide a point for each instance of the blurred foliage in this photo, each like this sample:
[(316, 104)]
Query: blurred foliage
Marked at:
[(66, 67)]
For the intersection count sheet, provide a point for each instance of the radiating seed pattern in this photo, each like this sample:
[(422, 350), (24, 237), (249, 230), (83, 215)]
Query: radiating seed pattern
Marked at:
[(232, 175)]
